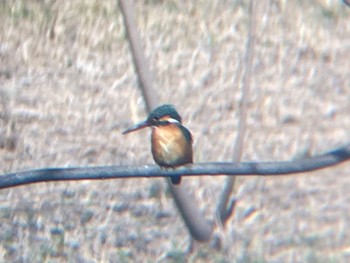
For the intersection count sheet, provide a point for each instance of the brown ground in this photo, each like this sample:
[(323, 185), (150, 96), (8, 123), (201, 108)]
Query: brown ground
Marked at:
[(68, 89)]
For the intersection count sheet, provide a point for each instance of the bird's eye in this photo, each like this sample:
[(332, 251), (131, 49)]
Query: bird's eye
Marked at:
[(156, 118)]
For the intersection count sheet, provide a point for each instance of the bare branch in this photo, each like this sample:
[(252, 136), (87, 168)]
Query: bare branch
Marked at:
[(224, 211), (199, 169), (141, 63)]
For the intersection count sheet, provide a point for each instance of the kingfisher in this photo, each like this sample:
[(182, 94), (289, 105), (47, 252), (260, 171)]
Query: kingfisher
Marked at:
[(171, 141)]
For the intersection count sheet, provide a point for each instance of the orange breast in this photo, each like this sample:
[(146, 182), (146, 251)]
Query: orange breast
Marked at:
[(170, 147)]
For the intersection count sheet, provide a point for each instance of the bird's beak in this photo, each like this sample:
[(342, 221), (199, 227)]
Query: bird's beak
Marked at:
[(139, 126)]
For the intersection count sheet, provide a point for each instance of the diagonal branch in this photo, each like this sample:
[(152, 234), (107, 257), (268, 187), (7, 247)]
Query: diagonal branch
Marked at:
[(142, 67), (193, 218)]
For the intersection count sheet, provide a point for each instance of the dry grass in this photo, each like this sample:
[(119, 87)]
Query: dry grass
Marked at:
[(68, 89)]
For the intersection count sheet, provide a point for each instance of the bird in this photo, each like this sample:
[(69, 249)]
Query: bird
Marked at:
[(171, 142)]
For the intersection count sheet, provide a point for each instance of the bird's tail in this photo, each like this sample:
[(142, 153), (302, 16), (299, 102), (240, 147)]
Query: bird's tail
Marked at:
[(175, 179)]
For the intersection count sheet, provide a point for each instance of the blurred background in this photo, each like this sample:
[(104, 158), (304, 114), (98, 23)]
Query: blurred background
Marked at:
[(68, 89)]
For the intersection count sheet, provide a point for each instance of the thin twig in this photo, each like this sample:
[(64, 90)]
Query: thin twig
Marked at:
[(224, 211)]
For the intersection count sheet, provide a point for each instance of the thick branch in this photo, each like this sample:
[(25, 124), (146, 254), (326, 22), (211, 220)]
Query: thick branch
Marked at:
[(200, 169), (142, 67)]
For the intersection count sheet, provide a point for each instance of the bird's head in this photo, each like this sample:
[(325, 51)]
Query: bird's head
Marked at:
[(161, 116)]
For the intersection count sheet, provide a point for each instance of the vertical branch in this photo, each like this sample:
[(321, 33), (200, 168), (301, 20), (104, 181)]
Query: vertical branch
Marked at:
[(198, 227), (224, 209)]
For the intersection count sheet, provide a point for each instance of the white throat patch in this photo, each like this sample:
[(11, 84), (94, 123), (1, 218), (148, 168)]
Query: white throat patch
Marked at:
[(172, 120)]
